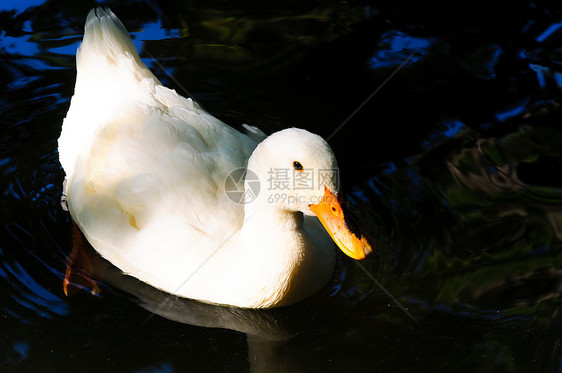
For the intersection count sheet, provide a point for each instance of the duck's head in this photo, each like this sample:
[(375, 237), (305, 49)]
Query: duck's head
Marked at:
[(298, 172)]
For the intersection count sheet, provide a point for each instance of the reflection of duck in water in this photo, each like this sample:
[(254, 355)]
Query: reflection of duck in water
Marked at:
[(267, 332), (146, 171)]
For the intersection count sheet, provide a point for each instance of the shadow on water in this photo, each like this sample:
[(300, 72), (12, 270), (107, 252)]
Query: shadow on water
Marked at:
[(454, 167)]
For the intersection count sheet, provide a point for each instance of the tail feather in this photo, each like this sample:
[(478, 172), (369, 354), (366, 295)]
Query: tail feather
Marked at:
[(106, 35), (111, 81), (107, 41)]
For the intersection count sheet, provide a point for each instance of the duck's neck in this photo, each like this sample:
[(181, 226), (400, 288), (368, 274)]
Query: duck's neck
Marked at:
[(271, 221), (294, 263), (280, 235)]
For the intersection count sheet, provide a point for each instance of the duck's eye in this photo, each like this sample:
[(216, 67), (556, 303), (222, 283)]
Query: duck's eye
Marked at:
[(298, 166)]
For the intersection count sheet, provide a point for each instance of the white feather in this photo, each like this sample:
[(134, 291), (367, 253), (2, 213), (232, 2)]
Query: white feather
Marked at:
[(146, 170)]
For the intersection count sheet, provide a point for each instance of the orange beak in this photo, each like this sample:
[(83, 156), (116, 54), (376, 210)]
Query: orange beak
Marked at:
[(343, 231)]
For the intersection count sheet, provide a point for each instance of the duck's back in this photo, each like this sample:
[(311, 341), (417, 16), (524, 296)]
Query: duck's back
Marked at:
[(139, 158)]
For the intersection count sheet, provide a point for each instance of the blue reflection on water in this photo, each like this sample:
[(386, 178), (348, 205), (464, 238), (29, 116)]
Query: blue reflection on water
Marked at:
[(18, 352), (18, 46), (527, 26), (17, 83), (373, 187), (453, 128), (558, 79), (390, 168), (549, 31), (6, 161), (541, 73), (19, 5), (15, 315), (490, 65), (162, 368), (396, 46), (22, 348), (512, 111), (36, 64), (154, 31), (358, 193), (30, 294), (69, 49)]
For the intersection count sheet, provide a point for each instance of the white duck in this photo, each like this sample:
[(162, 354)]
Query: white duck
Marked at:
[(146, 171)]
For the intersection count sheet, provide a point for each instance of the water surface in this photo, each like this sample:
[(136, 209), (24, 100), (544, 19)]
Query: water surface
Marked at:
[(451, 158)]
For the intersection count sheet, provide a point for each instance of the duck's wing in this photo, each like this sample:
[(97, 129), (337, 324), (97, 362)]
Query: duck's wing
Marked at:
[(138, 154), (254, 133)]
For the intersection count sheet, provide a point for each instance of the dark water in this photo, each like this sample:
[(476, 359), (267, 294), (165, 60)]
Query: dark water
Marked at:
[(454, 166)]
